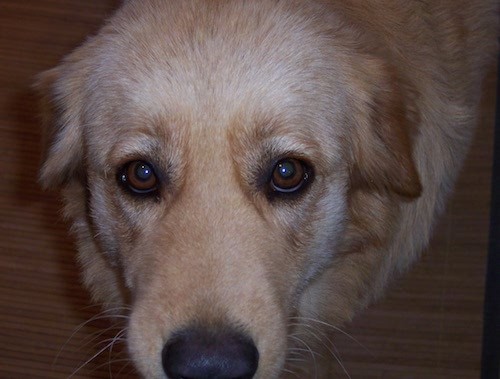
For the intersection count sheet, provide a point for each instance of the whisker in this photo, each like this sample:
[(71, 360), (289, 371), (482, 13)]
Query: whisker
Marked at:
[(310, 351), (330, 326), (291, 372), (117, 314), (336, 354), (127, 364), (117, 339), (296, 360), (100, 316), (298, 353), (114, 361), (329, 346), (94, 336), (108, 344), (91, 359), (312, 327)]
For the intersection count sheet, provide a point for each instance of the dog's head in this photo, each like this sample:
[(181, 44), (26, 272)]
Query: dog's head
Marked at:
[(217, 158)]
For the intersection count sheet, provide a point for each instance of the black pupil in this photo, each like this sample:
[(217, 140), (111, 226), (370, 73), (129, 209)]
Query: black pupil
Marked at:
[(143, 172), (286, 170)]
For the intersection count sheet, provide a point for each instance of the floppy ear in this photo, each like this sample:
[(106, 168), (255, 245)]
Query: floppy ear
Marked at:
[(382, 151), (62, 132)]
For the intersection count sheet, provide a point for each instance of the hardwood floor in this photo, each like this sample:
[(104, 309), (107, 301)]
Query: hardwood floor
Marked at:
[(428, 326)]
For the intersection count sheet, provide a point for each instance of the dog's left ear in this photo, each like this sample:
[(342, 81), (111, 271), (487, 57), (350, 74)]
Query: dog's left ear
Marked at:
[(381, 143), (62, 145)]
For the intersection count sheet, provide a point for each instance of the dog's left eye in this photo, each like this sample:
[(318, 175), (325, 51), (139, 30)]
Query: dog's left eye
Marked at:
[(289, 176), (139, 178)]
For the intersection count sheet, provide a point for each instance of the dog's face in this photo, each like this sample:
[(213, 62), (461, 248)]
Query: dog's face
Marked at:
[(217, 160)]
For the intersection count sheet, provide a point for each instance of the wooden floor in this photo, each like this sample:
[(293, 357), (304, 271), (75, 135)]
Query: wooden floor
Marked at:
[(428, 326)]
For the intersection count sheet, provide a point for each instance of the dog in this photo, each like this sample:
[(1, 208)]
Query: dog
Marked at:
[(239, 173)]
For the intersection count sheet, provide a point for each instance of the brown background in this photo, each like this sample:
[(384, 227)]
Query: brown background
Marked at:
[(428, 326)]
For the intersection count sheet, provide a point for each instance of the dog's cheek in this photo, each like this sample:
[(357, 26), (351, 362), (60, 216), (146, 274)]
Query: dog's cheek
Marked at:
[(114, 224), (106, 220), (328, 221), (99, 276), (313, 232)]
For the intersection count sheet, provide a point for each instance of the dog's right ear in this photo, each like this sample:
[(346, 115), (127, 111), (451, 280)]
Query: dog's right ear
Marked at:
[(62, 132), (382, 148)]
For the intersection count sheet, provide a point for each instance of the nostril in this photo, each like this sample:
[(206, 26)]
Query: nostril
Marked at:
[(201, 354)]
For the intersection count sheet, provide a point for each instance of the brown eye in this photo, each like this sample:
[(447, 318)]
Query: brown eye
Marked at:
[(139, 177), (289, 176)]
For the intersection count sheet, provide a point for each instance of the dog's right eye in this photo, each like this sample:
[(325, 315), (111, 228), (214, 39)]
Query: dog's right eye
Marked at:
[(139, 178)]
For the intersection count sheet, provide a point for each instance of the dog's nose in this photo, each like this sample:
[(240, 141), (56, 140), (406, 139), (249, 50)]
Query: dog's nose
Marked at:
[(204, 354)]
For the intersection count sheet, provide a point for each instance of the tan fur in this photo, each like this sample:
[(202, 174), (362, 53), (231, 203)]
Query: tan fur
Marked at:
[(380, 96)]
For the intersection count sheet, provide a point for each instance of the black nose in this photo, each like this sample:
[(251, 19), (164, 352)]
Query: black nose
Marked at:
[(203, 354)]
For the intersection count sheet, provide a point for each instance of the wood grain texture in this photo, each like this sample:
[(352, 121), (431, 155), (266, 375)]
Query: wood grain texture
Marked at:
[(428, 326)]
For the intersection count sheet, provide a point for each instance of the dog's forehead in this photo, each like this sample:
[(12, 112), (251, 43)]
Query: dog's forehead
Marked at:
[(232, 78), (213, 62)]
